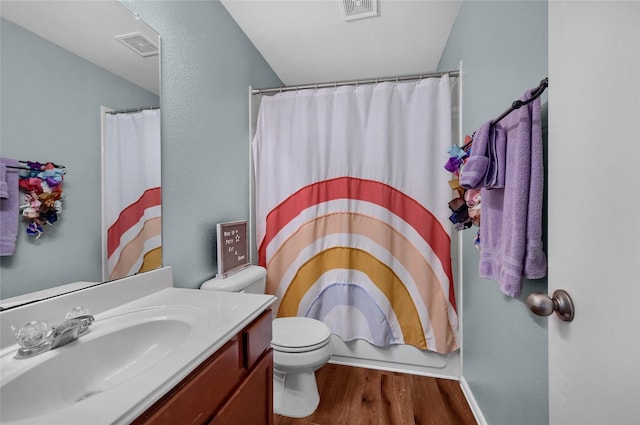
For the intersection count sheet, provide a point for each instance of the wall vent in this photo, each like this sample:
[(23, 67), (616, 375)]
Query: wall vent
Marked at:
[(139, 44), (359, 9)]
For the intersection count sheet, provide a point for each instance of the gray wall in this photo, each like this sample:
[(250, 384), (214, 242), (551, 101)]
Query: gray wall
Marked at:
[(207, 67), (503, 49), (50, 111)]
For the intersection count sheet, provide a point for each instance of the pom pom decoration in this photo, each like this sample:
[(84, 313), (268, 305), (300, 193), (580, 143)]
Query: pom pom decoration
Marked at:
[(466, 207), (43, 198)]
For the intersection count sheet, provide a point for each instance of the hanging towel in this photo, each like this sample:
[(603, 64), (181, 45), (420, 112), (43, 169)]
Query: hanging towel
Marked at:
[(497, 152), (4, 188), (475, 169), (511, 227), (486, 165), (9, 206)]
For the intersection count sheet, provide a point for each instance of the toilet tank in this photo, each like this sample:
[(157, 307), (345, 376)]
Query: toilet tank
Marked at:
[(251, 279)]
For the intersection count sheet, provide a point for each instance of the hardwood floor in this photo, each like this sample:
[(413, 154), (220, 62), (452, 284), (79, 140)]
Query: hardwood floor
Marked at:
[(358, 396)]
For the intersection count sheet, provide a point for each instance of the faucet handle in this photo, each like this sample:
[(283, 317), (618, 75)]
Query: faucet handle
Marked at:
[(82, 314), (77, 312), (33, 334)]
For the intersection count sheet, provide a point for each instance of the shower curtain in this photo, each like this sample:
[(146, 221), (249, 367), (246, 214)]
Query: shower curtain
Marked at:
[(132, 199), (352, 210)]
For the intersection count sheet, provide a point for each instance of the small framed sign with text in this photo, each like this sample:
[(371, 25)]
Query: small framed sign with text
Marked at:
[(233, 247)]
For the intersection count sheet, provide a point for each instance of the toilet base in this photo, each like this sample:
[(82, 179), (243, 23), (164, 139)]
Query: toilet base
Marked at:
[(299, 397)]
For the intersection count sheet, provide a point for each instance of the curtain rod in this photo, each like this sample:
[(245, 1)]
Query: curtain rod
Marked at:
[(454, 73), (128, 111)]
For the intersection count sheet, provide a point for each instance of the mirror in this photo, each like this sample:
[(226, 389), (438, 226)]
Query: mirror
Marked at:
[(61, 63)]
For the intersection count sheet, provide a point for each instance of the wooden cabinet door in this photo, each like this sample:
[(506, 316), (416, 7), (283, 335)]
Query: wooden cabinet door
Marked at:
[(233, 387), (196, 399), (251, 404)]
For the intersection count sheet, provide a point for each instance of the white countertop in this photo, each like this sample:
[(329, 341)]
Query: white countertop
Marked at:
[(221, 315)]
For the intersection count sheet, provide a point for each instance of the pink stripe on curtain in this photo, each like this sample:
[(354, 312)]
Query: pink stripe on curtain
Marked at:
[(131, 258)]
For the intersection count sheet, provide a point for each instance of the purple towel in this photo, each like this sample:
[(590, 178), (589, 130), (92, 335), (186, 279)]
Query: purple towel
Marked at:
[(4, 188), (486, 165), (9, 208), (475, 169), (511, 227), (497, 152)]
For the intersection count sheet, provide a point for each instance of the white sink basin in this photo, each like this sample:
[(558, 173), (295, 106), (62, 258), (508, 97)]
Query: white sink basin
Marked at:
[(116, 349), (147, 337)]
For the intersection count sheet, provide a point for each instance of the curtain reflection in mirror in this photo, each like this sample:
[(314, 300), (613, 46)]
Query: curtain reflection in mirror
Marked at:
[(132, 192)]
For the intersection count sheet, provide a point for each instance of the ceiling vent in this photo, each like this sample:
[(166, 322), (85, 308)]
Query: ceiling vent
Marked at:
[(359, 9), (138, 44)]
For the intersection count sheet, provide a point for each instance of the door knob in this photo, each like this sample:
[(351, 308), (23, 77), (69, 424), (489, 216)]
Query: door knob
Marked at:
[(543, 305)]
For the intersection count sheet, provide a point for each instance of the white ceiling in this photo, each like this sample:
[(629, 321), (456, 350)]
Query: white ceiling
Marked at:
[(304, 41), (88, 29), (309, 41)]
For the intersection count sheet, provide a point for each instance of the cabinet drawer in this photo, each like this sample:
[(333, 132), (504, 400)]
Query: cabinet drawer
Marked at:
[(257, 339), (200, 394)]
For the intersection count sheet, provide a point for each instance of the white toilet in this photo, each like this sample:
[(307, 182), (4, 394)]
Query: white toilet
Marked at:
[(300, 347)]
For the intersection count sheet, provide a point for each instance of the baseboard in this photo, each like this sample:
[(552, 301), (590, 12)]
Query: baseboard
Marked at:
[(472, 402)]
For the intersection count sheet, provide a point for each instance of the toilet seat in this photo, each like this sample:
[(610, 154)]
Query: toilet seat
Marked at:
[(299, 334)]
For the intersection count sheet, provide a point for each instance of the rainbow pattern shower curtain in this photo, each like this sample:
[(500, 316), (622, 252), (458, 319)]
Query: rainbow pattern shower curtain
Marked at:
[(352, 210), (133, 197)]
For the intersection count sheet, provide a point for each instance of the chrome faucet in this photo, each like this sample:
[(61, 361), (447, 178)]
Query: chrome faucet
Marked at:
[(36, 337), (70, 330)]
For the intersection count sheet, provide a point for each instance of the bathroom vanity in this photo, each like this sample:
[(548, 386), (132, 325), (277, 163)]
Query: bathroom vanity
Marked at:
[(233, 386), (155, 354)]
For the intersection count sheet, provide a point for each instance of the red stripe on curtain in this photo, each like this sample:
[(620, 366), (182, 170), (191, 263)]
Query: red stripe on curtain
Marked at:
[(130, 216)]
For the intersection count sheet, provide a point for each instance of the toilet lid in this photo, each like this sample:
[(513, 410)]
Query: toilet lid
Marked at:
[(293, 334)]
